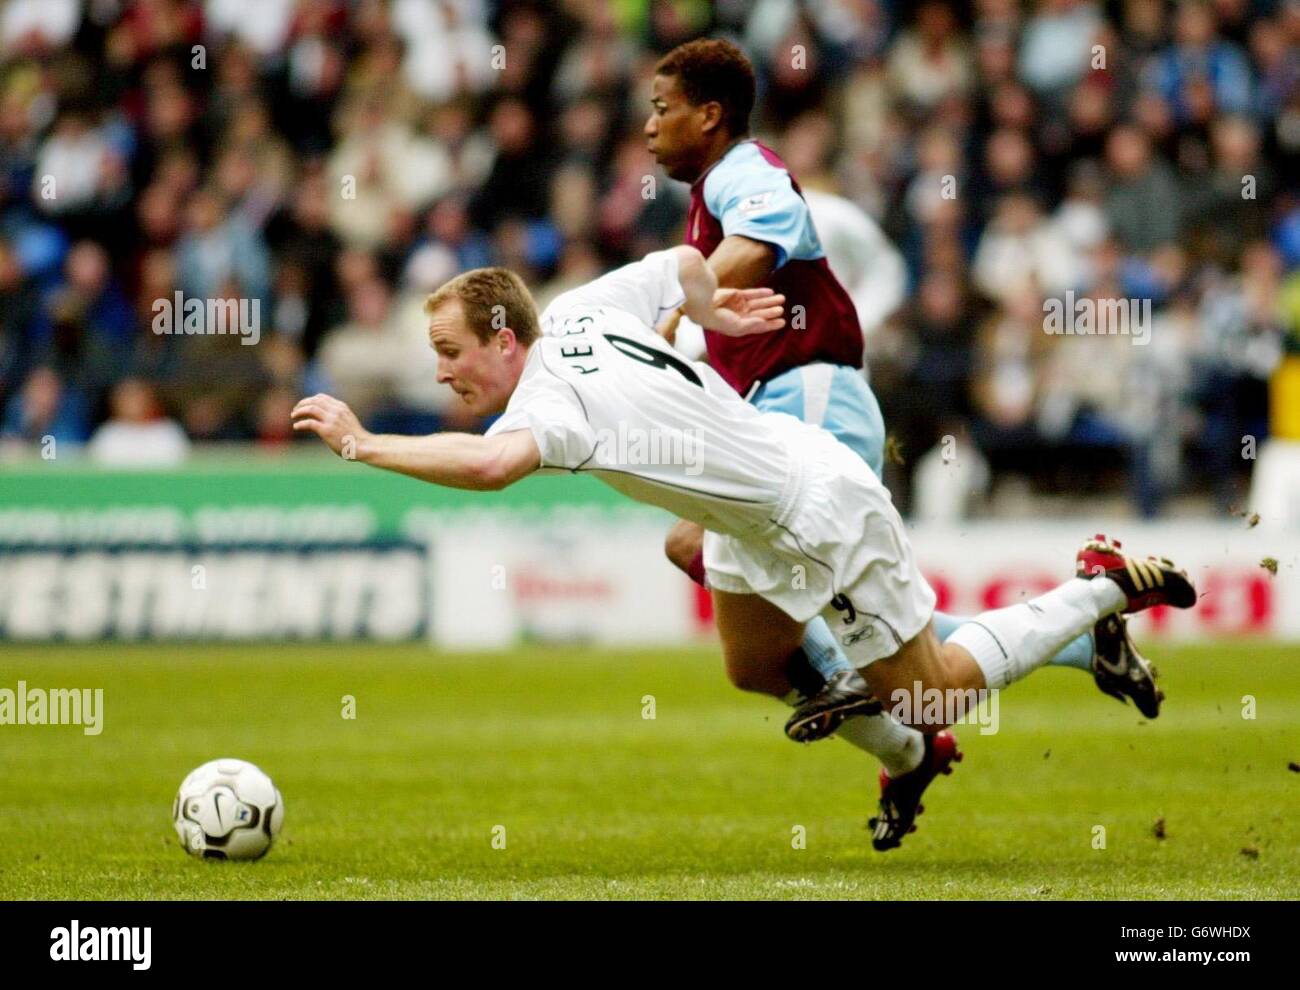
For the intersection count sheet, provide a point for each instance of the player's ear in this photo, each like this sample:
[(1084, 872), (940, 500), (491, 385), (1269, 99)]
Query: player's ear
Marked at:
[(506, 341), (712, 116)]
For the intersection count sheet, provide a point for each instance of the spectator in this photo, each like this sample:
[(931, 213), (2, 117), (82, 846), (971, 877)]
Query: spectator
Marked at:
[(1007, 384), (382, 168), (365, 357), (1080, 220), (93, 292), (1143, 205), (450, 231), (516, 185), (263, 25), (218, 246), (21, 320), (1201, 71), (86, 357), (1022, 250), (274, 427), (136, 433), (1056, 49), (469, 151), (1279, 67), (77, 171), (930, 60), (45, 408), (1242, 341), (448, 47), (34, 26), (1227, 206), (309, 249)]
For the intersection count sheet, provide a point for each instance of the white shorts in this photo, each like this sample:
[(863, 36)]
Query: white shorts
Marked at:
[(843, 554)]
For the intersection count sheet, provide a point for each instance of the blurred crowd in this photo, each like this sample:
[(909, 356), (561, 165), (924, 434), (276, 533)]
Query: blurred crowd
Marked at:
[(336, 160)]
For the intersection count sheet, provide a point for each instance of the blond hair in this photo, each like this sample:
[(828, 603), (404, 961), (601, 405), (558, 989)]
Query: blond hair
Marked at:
[(491, 299)]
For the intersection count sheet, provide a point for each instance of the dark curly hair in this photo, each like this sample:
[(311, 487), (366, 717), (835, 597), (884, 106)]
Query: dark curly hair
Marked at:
[(714, 71)]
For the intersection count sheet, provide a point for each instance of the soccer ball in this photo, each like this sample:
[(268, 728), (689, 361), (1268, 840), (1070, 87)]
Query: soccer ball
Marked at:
[(227, 809)]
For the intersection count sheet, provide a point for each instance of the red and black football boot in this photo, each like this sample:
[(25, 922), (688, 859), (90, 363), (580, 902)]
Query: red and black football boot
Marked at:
[(1145, 582), (1120, 670), (900, 797)]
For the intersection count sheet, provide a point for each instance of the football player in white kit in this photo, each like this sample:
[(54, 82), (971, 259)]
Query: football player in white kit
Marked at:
[(791, 514)]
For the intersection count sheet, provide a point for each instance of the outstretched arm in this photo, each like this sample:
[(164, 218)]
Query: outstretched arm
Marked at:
[(454, 460), (734, 312), (740, 264)]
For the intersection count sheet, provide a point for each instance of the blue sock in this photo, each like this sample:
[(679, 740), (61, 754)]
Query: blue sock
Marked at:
[(1076, 653), (823, 652), (826, 658), (945, 625)]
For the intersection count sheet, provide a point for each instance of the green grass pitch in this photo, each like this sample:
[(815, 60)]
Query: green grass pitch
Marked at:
[(701, 801)]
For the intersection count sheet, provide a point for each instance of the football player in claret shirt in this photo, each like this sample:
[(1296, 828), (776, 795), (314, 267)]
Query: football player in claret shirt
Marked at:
[(748, 216)]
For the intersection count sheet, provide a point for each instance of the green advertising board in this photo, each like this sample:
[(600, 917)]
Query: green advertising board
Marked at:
[(255, 497), (239, 545)]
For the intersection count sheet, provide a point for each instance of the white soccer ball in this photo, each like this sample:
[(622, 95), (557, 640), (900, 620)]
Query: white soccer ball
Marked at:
[(228, 809)]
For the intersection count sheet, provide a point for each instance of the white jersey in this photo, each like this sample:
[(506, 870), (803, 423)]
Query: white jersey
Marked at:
[(790, 513), (602, 393), (868, 266)]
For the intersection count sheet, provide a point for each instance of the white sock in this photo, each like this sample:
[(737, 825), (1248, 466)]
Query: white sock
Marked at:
[(898, 747), (1010, 643)]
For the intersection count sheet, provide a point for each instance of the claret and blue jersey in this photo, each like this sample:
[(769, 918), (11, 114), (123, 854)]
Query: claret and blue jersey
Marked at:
[(812, 367)]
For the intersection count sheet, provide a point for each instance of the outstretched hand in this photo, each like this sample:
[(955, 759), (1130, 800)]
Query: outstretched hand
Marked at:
[(742, 312), (332, 421)]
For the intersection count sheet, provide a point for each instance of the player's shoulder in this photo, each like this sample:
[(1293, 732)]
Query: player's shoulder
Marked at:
[(564, 311), (577, 336), (747, 169), (565, 318)]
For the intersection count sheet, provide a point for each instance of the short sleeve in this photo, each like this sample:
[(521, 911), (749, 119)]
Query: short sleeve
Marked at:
[(549, 408), (647, 289), (759, 202)]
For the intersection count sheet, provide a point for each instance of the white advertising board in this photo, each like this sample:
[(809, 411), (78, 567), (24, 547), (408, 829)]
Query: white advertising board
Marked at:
[(496, 582)]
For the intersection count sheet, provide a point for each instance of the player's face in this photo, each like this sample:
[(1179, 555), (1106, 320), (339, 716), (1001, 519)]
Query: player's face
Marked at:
[(673, 131), (480, 373)]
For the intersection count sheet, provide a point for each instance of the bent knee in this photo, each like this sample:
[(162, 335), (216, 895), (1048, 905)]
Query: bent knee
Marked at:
[(683, 543)]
